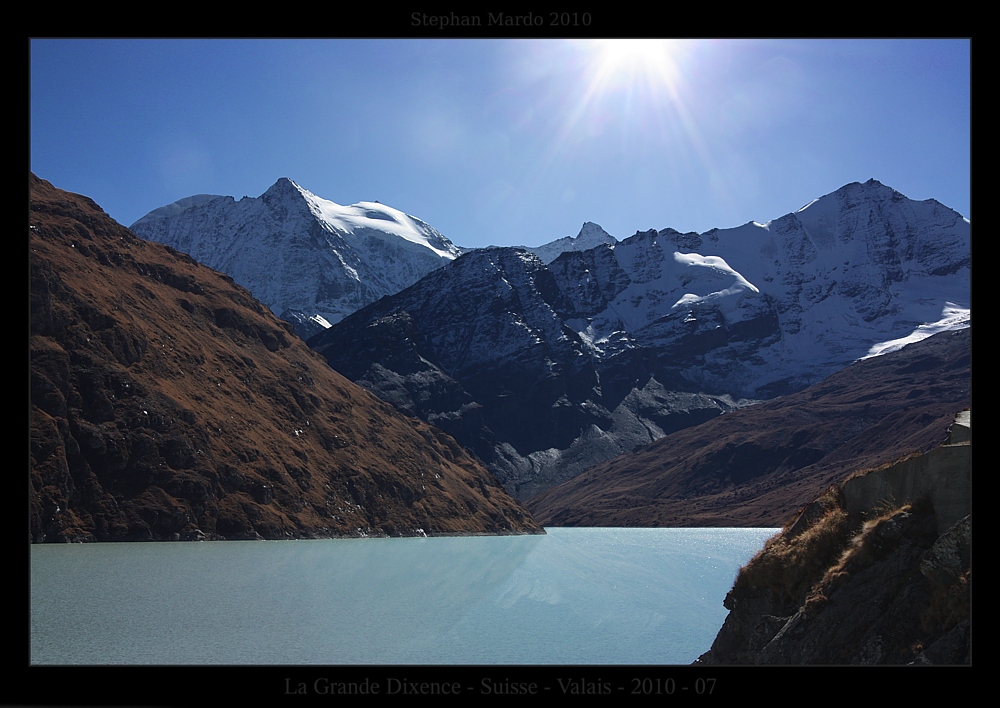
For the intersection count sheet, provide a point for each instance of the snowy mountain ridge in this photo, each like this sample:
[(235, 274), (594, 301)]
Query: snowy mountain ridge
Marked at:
[(311, 260), (839, 279)]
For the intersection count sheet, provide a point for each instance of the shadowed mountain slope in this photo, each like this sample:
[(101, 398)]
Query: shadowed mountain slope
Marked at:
[(478, 348), (547, 367), (757, 466), (167, 403)]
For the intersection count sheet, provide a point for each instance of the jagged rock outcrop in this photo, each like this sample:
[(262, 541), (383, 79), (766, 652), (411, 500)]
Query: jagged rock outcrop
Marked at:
[(876, 571), (167, 403)]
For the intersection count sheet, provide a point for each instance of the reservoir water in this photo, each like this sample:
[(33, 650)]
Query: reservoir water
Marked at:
[(574, 596)]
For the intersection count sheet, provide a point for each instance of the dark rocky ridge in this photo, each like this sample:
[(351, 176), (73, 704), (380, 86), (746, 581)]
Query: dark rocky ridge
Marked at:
[(167, 403), (479, 349), (757, 466)]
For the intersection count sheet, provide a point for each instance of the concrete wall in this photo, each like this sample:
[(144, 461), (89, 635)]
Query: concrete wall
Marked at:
[(944, 475)]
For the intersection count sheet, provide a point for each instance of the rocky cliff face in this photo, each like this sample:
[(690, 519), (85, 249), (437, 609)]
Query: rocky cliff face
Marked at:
[(875, 571), (167, 403)]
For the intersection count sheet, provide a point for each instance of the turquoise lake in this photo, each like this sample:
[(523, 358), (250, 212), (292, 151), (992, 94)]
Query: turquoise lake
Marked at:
[(574, 596)]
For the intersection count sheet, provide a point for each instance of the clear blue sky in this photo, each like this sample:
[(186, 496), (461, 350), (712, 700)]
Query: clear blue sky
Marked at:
[(506, 142)]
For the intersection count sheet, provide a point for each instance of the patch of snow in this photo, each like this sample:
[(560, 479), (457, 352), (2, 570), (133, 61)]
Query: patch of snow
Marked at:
[(953, 317), (379, 218)]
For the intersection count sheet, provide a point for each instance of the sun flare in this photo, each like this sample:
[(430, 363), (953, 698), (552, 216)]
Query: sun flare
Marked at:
[(630, 63)]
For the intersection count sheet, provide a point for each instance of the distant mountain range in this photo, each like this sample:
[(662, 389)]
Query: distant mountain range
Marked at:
[(546, 369), (310, 260), (166, 403), (550, 359)]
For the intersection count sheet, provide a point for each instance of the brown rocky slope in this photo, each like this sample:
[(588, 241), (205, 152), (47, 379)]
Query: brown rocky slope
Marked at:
[(168, 404), (759, 465)]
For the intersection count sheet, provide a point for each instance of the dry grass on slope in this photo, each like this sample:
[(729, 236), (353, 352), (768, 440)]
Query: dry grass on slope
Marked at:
[(168, 404)]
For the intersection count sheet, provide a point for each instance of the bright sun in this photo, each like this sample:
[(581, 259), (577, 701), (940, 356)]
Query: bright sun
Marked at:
[(628, 90), (631, 63)]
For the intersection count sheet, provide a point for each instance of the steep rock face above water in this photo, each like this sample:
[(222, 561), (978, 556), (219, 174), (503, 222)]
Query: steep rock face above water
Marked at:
[(167, 403), (877, 570), (310, 260)]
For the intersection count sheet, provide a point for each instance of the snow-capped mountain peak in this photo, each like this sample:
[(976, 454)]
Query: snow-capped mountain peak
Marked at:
[(299, 253), (591, 235)]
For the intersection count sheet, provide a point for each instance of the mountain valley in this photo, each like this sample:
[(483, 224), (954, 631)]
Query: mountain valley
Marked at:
[(604, 383), (549, 362)]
